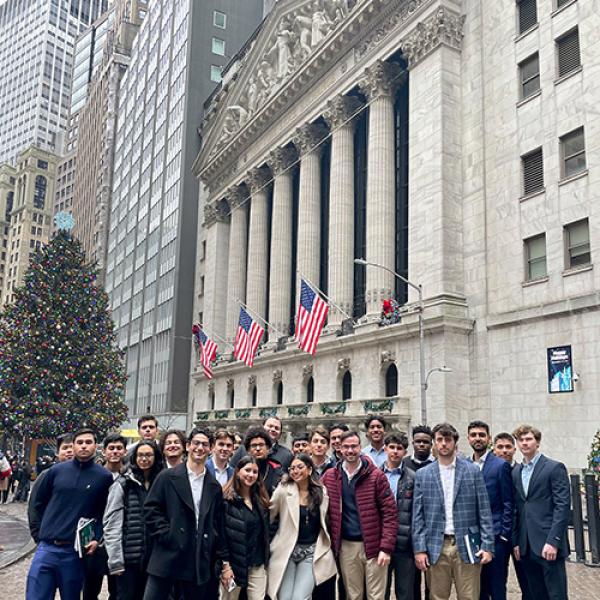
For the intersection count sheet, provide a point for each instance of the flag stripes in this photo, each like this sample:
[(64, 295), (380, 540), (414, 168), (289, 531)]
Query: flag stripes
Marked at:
[(312, 312)]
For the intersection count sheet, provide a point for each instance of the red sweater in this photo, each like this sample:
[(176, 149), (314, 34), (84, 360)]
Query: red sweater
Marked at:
[(376, 508)]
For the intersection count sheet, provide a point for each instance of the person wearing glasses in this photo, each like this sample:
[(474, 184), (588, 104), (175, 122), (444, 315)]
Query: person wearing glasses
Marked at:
[(125, 535), (363, 520), (258, 444), (183, 512), (244, 545), (301, 555)]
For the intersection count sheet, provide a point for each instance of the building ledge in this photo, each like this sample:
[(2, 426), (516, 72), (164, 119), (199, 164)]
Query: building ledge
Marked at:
[(523, 35), (550, 310), (532, 195), (577, 270), (568, 75), (529, 98), (575, 177), (532, 282), (562, 8)]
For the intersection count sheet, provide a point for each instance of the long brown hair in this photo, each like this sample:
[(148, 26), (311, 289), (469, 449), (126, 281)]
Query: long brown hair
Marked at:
[(315, 487), (258, 492)]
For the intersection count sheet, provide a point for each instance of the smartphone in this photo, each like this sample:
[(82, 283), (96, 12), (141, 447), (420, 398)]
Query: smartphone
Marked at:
[(231, 585)]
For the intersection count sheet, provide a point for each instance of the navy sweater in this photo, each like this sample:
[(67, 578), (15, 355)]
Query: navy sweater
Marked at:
[(69, 491)]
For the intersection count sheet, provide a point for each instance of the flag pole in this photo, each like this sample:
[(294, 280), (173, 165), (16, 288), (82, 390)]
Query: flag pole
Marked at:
[(217, 337), (257, 316), (323, 294)]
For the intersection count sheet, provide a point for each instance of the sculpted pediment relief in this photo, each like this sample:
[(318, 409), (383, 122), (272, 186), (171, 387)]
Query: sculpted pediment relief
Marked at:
[(290, 35)]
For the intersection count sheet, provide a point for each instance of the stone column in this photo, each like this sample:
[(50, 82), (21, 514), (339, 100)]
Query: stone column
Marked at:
[(238, 248), (307, 140), (339, 115), (216, 223), (280, 277), (379, 85), (258, 242)]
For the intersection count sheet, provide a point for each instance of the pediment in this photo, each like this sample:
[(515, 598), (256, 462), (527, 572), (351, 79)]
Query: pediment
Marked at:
[(291, 34)]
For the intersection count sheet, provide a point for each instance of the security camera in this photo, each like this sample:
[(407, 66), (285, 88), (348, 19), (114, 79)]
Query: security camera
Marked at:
[(575, 377)]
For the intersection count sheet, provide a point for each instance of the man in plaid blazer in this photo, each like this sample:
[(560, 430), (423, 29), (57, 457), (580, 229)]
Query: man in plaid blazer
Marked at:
[(451, 504)]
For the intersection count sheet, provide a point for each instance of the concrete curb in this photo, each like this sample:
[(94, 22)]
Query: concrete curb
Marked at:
[(23, 542)]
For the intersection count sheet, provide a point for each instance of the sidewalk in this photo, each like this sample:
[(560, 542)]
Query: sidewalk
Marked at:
[(14, 534)]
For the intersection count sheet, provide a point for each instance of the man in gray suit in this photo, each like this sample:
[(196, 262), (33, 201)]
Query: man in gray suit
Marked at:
[(453, 530)]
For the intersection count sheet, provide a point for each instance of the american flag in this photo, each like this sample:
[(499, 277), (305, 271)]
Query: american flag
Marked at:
[(312, 313), (248, 336), (207, 350)]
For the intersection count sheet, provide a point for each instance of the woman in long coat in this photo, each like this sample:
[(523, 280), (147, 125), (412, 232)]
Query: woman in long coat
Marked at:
[(301, 555)]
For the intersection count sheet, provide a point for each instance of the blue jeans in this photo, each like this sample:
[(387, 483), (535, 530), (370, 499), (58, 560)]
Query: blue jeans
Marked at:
[(52, 568), (298, 580)]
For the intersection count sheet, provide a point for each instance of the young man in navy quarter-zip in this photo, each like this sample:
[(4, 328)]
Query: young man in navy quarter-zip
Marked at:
[(71, 490)]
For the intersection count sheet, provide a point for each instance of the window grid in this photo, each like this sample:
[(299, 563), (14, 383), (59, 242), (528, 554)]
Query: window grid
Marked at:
[(577, 244), (527, 14), (535, 257), (530, 76), (573, 153), (219, 19)]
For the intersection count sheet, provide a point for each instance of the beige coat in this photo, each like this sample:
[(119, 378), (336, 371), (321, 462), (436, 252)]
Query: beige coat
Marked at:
[(285, 503)]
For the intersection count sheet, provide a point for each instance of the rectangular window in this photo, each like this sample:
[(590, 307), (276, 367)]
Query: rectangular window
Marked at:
[(535, 257), (572, 149), (533, 172), (218, 46), (215, 73), (219, 19), (527, 14), (561, 3), (567, 48), (530, 76), (577, 244)]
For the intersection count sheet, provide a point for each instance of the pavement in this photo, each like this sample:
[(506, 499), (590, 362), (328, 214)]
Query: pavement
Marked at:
[(584, 581)]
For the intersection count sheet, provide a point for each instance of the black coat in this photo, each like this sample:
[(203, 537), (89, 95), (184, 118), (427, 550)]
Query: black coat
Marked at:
[(135, 544), (181, 549), (233, 546), (404, 503), (542, 517)]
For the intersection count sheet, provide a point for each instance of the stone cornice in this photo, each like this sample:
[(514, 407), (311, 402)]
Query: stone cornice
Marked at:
[(214, 213)]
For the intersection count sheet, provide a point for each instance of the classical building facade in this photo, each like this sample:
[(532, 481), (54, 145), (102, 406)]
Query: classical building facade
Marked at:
[(448, 142), (27, 210)]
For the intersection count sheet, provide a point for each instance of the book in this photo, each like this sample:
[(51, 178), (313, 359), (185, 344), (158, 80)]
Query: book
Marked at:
[(473, 544), (85, 533)]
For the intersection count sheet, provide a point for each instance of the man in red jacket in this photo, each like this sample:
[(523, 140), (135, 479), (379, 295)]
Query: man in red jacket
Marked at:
[(363, 519)]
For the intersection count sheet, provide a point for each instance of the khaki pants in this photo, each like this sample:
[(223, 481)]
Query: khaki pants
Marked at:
[(448, 568), (356, 570), (255, 590)]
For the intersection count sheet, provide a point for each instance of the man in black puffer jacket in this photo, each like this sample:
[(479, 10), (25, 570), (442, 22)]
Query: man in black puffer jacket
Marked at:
[(402, 481)]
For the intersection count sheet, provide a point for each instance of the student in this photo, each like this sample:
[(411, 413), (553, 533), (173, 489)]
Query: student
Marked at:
[(125, 537), (318, 448), (218, 463), (244, 545), (172, 447), (375, 427), (300, 443), (258, 443), (301, 549)]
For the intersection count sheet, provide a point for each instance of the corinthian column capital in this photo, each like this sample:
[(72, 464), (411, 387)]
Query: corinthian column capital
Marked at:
[(236, 195), (381, 79), (257, 179), (281, 159), (308, 137), (341, 110)]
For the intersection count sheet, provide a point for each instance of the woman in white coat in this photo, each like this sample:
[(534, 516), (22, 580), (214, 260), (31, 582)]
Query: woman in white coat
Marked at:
[(301, 555)]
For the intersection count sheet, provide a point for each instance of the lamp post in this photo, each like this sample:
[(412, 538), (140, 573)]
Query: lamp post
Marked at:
[(442, 369), (419, 290)]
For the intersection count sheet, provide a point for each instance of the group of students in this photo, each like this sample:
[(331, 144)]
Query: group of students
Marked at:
[(197, 516)]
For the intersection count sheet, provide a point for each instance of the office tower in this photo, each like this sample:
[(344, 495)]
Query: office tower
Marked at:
[(176, 61), (36, 58)]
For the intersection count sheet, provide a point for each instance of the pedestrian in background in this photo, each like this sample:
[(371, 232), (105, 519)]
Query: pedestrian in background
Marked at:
[(126, 539), (244, 544), (301, 549)]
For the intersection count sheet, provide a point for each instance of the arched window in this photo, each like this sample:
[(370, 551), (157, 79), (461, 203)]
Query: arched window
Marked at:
[(280, 393), (254, 396), (391, 381), (347, 386), (231, 397), (310, 390), (39, 194), (211, 399)]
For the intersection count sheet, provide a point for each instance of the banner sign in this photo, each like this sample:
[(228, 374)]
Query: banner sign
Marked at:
[(560, 370)]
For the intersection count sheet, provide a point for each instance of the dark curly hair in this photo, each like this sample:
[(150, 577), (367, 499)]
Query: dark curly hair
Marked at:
[(315, 487)]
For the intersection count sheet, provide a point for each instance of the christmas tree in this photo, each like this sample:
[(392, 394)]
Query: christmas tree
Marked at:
[(594, 456), (60, 368)]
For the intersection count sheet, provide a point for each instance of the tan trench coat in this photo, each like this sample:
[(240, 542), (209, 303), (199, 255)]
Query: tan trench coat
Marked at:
[(285, 503)]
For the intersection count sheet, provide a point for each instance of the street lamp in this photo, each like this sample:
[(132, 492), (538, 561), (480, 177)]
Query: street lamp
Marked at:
[(419, 290), (443, 369)]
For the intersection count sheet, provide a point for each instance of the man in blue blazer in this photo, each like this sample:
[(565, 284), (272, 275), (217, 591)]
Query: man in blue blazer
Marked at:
[(453, 531), (543, 503), (498, 481)]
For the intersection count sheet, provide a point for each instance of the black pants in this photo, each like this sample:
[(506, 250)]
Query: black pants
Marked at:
[(325, 590), (417, 586), (546, 579), (131, 585), (5, 496), (402, 568), (22, 492), (95, 569), (495, 573), (159, 588), (520, 572)]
